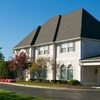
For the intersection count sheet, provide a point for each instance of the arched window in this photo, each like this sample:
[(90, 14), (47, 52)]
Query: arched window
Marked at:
[(63, 72), (70, 72)]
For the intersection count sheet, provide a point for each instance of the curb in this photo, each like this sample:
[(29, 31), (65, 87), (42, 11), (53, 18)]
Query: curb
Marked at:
[(94, 88)]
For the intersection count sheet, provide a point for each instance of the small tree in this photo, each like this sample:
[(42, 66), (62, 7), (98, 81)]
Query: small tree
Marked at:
[(40, 66), (19, 63), (1, 56)]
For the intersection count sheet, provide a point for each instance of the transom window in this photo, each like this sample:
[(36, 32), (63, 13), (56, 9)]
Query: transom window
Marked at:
[(43, 50), (63, 47), (70, 46)]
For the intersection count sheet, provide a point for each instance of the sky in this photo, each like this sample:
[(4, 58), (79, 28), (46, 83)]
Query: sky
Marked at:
[(19, 17)]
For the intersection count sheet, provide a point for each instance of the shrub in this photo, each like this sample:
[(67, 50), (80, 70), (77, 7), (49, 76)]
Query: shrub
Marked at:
[(53, 81), (38, 80), (31, 80), (63, 81), (73, 82), (46, 81), (59, 81), (4, 71)]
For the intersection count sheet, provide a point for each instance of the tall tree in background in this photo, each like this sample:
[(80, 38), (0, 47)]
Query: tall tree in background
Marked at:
[(1, 56), (19, 63)]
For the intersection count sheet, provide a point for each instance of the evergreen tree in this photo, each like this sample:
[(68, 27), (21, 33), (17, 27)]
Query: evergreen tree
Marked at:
[(1, 56)]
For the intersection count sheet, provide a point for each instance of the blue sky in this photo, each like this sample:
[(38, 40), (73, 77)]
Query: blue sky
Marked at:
[(19, 17)]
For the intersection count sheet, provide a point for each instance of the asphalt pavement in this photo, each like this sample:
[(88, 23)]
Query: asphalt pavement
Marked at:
[(53, 93)]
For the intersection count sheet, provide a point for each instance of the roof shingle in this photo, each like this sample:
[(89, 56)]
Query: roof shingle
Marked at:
[(73, 25)]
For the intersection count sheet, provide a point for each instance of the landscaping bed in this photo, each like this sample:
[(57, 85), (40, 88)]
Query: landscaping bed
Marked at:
[(53, 83), (7, 80)]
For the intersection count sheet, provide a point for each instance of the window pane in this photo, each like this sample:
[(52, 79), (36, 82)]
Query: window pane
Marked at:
[(63, 73), (70, 72), (63, 47), (42, 74), (46, 52), (70, 44), (70, 49), (45, 47), (40, 50)]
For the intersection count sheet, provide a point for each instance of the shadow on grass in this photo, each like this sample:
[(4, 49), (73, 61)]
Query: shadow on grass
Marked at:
[(6, 95)]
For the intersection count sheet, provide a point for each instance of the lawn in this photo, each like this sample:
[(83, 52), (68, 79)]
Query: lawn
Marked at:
[(7, 95), (54, 85)]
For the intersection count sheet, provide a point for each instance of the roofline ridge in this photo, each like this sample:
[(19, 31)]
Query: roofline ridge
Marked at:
[(36, 35), (57, 28)]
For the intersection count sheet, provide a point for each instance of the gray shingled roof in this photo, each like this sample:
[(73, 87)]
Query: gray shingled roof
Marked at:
[(70, 26), (73, 25), (30, 39), (78, 24), (91, 59), (47, 31)]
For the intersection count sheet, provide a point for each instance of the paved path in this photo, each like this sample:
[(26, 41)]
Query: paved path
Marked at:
[(55, 94)]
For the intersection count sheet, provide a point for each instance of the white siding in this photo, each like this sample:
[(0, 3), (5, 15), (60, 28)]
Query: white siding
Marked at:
[(50, 72), (67, 58), (90, 48)]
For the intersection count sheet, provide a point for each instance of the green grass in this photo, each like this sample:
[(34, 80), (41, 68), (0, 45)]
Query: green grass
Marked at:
[(7, 95), (39, 84)]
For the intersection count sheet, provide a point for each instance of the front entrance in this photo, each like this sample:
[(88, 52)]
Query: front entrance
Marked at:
[(91, 75)]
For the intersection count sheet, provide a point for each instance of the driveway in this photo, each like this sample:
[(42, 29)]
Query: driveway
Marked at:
[(55, 94)]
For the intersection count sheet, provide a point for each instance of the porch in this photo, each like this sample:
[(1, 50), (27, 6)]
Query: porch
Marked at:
[(90, 71)]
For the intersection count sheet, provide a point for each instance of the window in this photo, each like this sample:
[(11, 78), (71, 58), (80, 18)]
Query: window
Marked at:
[(40, 50), (63, 47), (43, 50), (63, 72), (70, 46), (70, 72), (42, 74)]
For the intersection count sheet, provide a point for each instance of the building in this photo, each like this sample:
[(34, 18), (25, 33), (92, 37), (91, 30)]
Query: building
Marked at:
[(73, 41)]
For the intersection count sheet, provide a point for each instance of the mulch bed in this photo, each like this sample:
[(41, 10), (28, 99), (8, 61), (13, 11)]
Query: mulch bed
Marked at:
[(75, 87)]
